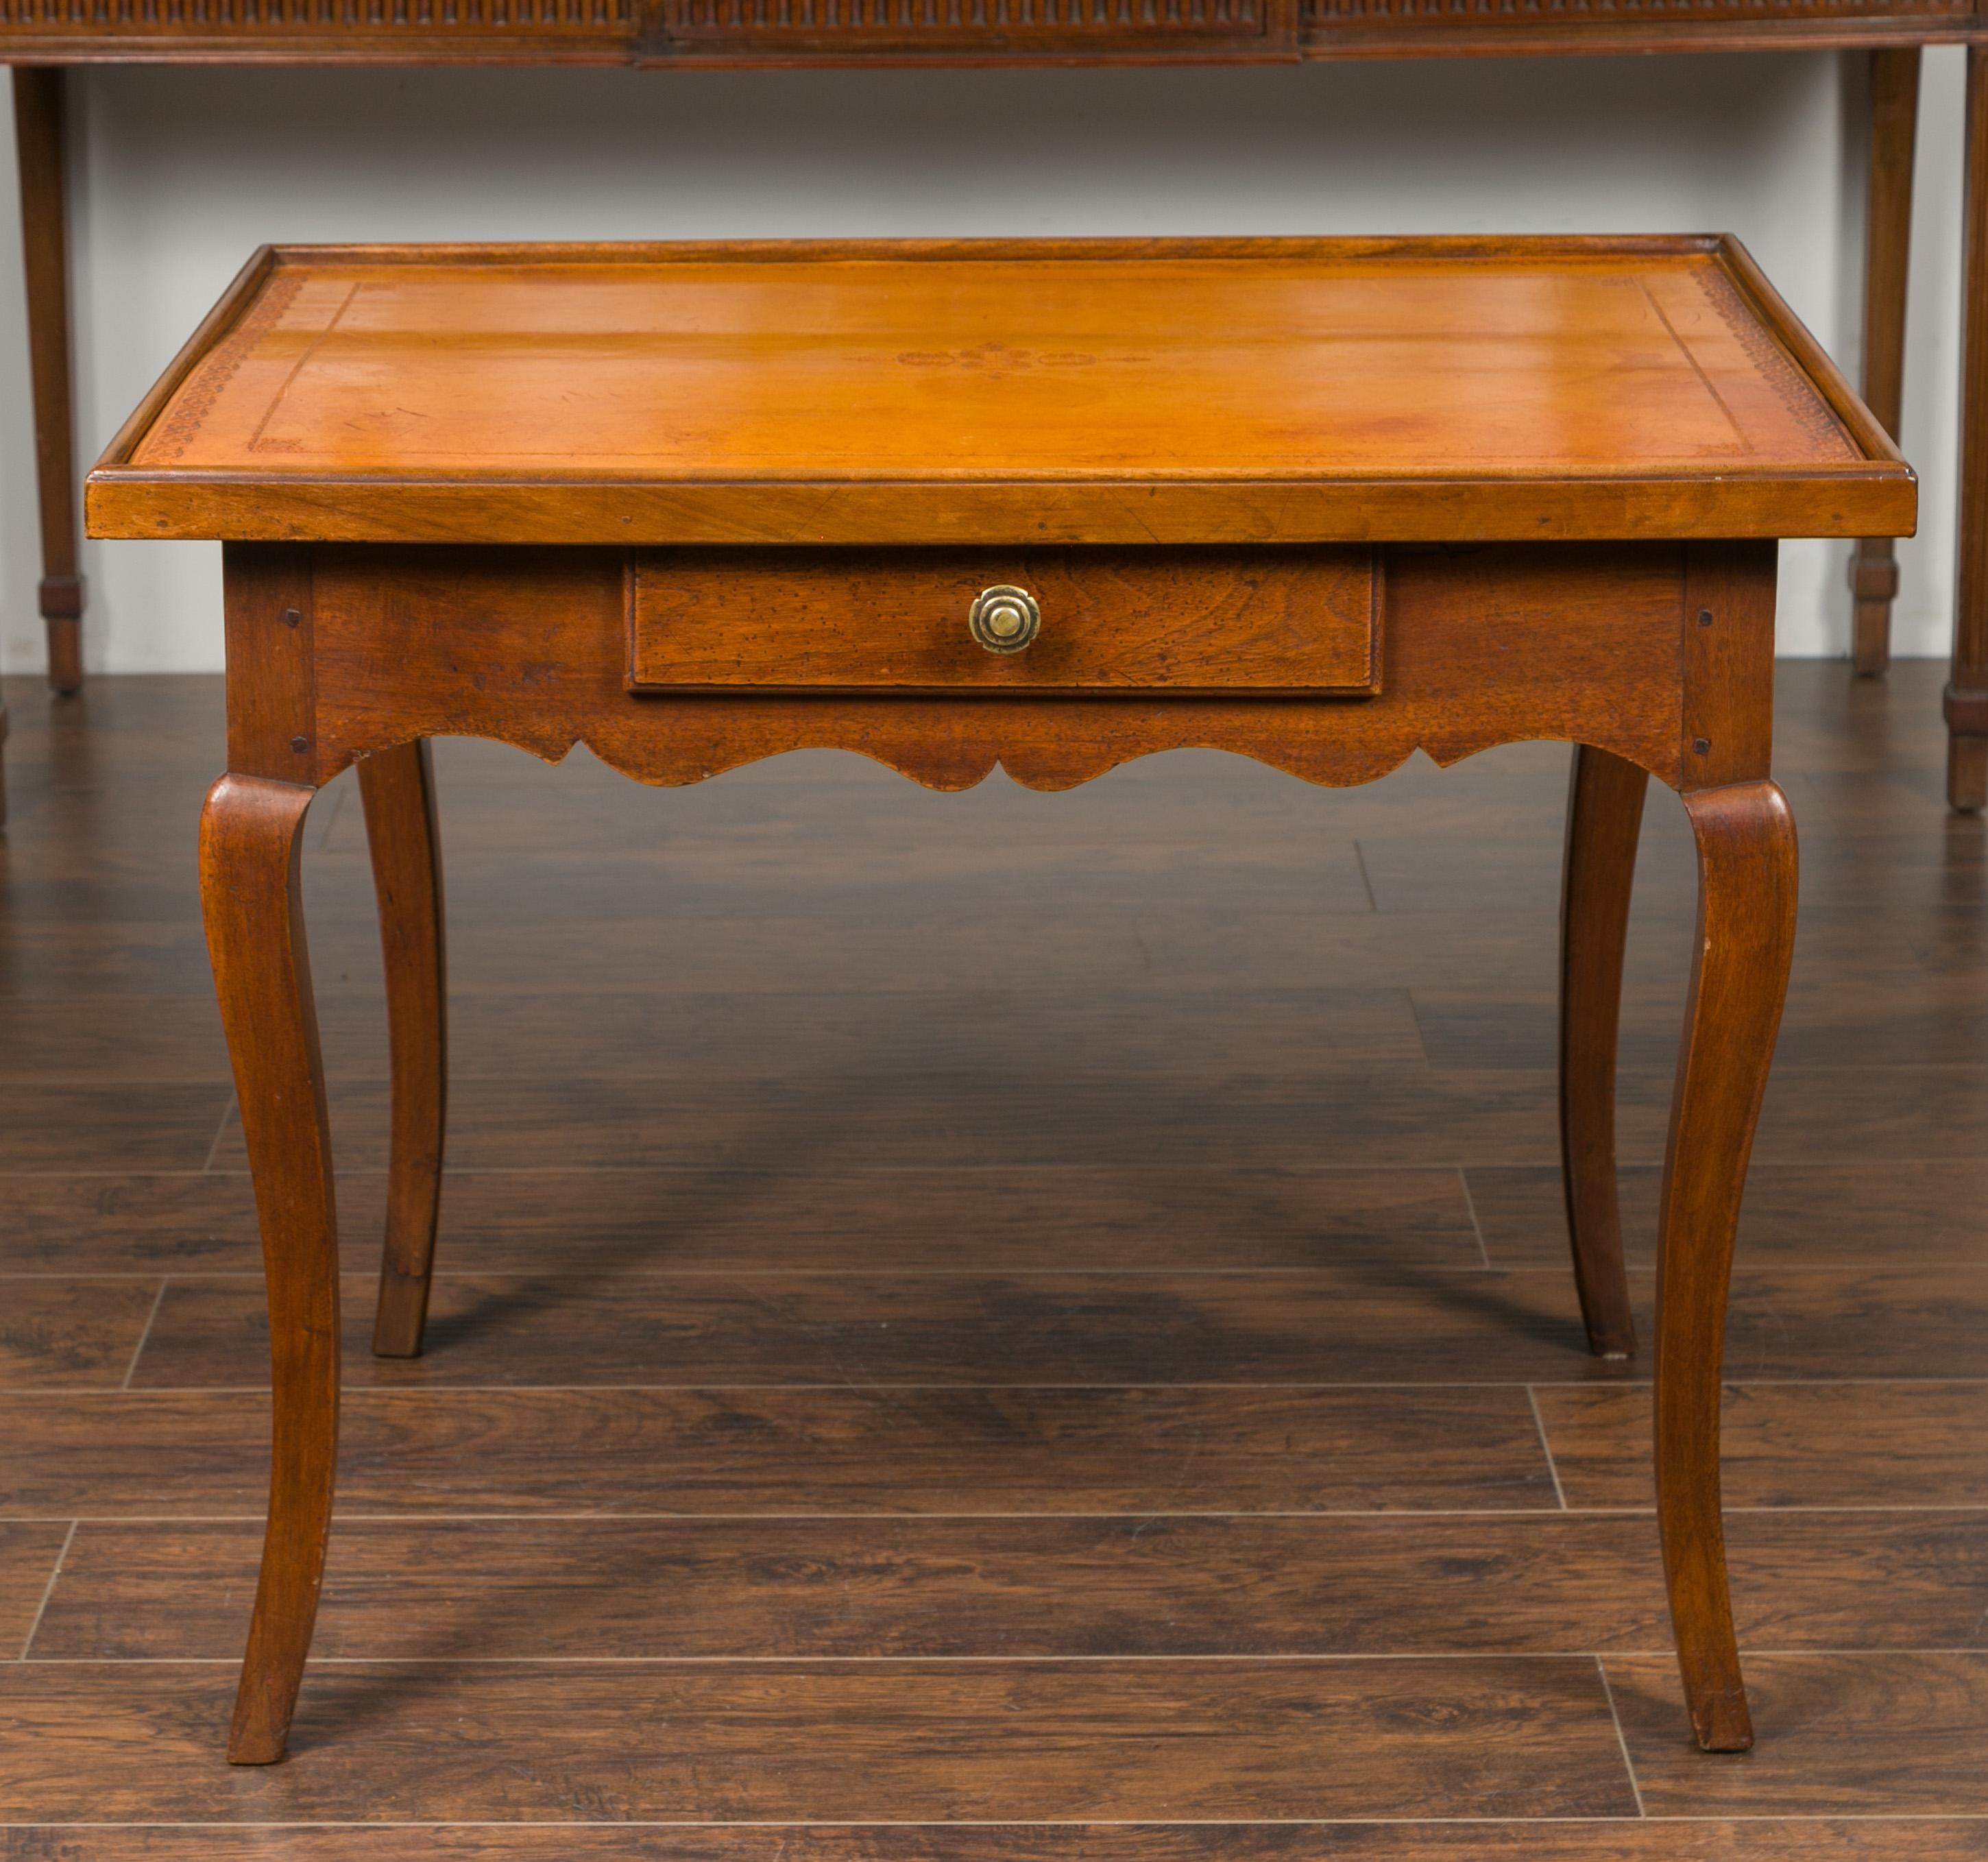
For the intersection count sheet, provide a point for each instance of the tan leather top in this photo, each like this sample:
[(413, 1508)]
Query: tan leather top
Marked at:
[(1250, 367)]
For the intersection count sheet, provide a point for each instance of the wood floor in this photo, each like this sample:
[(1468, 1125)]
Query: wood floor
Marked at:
[(991, 1328)]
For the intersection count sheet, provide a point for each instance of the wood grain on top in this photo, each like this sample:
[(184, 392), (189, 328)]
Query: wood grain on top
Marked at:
[(1247, 389)]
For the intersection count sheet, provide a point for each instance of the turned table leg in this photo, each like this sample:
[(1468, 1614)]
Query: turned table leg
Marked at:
[(1739, 973), (1604, 816), (1895, 116), (1967, 689), (250, 844), (38, 139), (397, 788)]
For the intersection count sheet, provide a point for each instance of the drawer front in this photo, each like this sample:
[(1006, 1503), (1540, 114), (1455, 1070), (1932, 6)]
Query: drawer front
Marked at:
[(1302, 620)]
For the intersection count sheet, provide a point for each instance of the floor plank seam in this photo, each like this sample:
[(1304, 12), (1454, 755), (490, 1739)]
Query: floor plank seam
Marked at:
[(1476, 1226), (1621, 1738), (48, 1590), (220, 1132), (1546, 1446), (145, 1332)]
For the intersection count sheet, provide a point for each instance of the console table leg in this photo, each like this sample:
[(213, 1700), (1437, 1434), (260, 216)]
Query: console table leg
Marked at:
[(397, 787), (1739, 973), (1605, 816), (250, 844), (1967, 689), (1895, 116), (38, 139)]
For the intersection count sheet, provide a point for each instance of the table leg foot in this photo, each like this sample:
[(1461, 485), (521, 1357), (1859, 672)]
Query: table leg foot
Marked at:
[(250, 845), (1604, 817), (1966, 750), (1740, 971)]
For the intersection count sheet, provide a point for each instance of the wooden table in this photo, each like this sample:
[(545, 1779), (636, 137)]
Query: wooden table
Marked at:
[(43, 38), (1045, 507)]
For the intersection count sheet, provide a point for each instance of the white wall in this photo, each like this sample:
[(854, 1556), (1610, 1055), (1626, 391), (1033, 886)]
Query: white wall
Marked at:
[(181, 172)]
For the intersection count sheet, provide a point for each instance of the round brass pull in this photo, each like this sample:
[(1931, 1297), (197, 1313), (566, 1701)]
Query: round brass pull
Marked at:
[(1004, 619)]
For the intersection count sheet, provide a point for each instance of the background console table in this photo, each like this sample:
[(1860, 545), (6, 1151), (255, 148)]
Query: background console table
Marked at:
[(41, 37)]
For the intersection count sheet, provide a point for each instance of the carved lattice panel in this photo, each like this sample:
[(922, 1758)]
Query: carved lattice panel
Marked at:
[(289, 19), (954, 25), (1436, 14)]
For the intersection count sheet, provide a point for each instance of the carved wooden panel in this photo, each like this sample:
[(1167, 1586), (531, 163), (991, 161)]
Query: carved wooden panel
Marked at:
[(1325, 16), (609, 20), (940, 32), (964, 28)]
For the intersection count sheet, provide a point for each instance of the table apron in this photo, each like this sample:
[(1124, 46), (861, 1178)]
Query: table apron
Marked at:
[(1661, 653)]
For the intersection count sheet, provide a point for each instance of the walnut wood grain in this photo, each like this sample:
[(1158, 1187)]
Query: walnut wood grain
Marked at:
[(1156, 1217), (100, 1126), (1824, 1214), (1750, 1839), (864, 32), (1899, 1442), (71, 1334), (1728, 629), (360, 374), (1895, 1442), (1603, 816), (161, 1454), (806, 1742), (1148, 1585), (1667, 393), (250, 848), (968, 1329), (606, 1316), (1895, 118), (1183, 621), (29, 1550), (1892, 1733), (1462, 864), (397, 788), (272, 687), (1739, 970), (1467, 638)]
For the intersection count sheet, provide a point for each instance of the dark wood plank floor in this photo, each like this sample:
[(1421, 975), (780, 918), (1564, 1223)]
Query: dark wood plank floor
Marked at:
[(991, 1328)]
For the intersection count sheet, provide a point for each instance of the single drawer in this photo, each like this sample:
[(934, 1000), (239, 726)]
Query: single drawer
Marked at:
[(1095, 621)]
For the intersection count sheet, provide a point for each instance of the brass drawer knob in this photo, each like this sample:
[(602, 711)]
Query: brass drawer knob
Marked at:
[(1004, 619)]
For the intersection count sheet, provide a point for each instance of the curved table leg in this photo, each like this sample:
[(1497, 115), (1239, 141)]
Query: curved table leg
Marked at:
[(250, 842), (397, 788), (1605, 816), (1739, 973)]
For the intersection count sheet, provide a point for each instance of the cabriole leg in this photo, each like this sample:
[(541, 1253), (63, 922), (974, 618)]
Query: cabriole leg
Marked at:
[(1605, 816), (250, 843), (397, 788), (1739, 973)]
